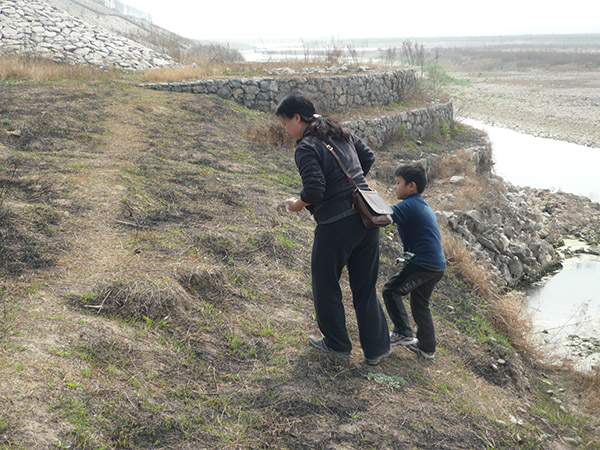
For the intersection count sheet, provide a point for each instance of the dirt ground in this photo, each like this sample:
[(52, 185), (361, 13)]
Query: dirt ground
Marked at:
[(558, 104)]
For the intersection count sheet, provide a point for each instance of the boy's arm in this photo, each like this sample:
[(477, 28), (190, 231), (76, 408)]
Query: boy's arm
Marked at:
[(399, 213)]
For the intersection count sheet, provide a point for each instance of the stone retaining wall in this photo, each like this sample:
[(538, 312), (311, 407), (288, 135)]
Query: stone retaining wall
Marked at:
[(330, 93), (33, 27), (334, 93), (416, 124)]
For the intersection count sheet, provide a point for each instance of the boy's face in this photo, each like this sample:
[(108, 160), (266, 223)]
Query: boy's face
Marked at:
[(403, 189)]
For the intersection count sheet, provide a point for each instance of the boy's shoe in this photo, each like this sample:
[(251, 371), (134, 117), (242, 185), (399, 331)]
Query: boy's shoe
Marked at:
[(415, 348), (320, 344), (399, 339), (377, 359)]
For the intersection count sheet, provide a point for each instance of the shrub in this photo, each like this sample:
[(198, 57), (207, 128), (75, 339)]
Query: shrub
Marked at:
[(214, 53)]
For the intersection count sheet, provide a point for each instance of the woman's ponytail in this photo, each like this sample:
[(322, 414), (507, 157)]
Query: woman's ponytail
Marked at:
[(323, 127)]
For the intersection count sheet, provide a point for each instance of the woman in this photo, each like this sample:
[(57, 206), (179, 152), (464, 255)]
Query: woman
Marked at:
[(340, 238)]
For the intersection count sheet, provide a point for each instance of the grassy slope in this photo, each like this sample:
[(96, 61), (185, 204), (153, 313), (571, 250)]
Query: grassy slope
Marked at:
[(156, 294)]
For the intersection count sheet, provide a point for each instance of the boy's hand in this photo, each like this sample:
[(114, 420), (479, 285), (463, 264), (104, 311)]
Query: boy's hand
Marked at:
[(294, 204)]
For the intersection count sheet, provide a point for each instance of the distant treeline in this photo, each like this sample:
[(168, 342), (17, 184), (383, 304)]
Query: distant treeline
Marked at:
[(518, 57)]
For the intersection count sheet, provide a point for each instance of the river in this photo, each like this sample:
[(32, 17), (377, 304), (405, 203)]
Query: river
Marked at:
[(527, 160), (565, 308)]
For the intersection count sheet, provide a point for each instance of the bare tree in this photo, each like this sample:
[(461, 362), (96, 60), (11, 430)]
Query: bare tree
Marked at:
[(390, 55), (353, 53)]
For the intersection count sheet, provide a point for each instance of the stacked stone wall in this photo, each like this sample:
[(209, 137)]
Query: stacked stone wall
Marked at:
[(330, 93), (334, 93), (35, 28), (415, 124)]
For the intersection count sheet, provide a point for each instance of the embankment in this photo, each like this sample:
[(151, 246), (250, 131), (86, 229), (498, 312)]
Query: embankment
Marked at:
[(36, 28)]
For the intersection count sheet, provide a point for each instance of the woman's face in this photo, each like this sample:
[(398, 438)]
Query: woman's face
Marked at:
[(294, 127)]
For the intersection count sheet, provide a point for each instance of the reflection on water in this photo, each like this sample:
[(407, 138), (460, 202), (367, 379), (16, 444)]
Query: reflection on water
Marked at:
[(526, 160), (566, 310)]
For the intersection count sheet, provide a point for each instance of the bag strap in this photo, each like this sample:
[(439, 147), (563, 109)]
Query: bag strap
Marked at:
[(342, 166)]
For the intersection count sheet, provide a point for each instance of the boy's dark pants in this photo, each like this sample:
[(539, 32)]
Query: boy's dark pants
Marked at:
[(347, 242), (419, 282)]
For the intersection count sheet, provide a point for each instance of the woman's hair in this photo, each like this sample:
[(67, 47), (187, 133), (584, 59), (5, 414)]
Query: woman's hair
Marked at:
[(322, 127)]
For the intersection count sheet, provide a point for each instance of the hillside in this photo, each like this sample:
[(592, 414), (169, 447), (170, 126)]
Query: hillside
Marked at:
[(156, 293)]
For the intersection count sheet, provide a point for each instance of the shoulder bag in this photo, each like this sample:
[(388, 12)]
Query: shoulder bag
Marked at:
[(373, 209)]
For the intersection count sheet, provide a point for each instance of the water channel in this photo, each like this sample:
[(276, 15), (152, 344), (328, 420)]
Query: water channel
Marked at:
[(565, 308)]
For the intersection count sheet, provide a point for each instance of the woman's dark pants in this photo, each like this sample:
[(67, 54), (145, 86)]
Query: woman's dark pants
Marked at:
[(419, 282), (347, 242)]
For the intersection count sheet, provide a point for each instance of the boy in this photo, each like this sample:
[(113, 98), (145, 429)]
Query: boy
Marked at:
[(424, 265)]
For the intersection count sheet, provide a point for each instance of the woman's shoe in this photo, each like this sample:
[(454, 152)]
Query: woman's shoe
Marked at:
[(320, 344), (377, 359)]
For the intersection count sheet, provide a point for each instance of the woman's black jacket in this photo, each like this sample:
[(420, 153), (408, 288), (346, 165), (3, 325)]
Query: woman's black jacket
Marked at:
[(325, 187)]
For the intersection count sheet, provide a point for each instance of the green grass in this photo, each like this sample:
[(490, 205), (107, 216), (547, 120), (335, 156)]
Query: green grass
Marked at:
[(444, 129), (389, 381)]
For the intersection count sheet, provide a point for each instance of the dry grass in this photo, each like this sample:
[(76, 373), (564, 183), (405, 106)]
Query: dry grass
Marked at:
[(468, 194), (507, 312), (461, 260), (39, 69), (139, 300), (472, 190), (195, 70), (462, 162), (511, 317), (591, 387), (457, 163), (272, 133)]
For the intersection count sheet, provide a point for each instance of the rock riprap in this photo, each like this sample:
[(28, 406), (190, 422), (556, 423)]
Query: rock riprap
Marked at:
[(34, 27), (512, 230)]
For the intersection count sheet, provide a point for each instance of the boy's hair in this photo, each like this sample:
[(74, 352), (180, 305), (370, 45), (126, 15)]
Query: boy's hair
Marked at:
[(413, 172)]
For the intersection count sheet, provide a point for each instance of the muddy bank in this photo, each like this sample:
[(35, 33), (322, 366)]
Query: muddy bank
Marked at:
[(560, 105)]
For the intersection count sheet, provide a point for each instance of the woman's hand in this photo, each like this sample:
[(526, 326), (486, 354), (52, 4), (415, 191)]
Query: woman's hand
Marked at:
[(295, 204)]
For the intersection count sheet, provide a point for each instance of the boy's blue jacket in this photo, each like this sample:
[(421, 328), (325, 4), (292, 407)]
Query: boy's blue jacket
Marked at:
[(418, 229)]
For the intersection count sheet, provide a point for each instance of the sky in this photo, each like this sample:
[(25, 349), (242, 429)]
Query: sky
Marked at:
[(351, 19)]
